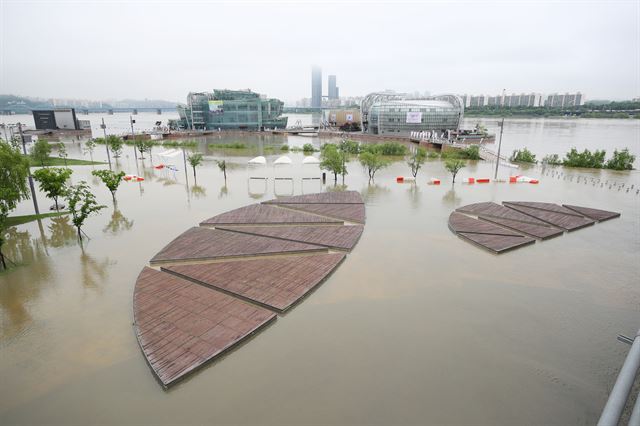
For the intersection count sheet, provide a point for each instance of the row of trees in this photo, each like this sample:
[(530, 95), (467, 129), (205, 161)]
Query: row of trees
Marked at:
[(621, 160)]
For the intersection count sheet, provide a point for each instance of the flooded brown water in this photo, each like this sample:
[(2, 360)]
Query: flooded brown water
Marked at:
[(416, 327)]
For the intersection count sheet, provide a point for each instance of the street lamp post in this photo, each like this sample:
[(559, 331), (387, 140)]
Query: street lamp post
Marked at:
[(104, 129), (33, 189), (133, 135), (499, 146)]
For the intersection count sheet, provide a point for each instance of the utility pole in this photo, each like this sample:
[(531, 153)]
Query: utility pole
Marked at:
[(499, 146), (33, 189), (104, 129), (133, 135)]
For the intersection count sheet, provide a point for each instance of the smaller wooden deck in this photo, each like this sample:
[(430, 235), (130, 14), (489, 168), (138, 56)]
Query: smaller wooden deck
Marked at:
[(349, 212), (262, 214), (502, 228), (337, 197)]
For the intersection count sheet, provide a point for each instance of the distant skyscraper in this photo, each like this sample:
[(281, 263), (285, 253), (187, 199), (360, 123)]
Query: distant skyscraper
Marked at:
[(333, 90), (316, 87)]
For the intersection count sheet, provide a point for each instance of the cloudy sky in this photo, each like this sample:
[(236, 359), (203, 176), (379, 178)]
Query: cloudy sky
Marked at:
[(164, 49)]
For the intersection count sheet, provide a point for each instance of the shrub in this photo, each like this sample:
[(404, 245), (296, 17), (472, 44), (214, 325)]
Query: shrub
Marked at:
[(387, 148), (522, 156), (40, 151), (552, 160), (307, 147), (621, 160), (350, 147), (472, 152), (284, 147), (586, 158)]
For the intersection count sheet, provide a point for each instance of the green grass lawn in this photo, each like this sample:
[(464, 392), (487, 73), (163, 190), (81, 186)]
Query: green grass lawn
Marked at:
[(19, 220), (56, 161)]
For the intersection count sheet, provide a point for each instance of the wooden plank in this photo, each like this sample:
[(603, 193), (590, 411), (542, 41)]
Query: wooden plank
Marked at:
[(459, 222), (544, 206), (209, 244), (595, 214), (568, 222), (333, 197), (490, 209), (537, 231), (497, 243), (277, 283), (350, 212), (335, 237), (180, 325), (261, 214)]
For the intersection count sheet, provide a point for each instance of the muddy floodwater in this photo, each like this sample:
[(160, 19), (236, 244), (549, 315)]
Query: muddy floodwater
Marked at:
[(417, 326)]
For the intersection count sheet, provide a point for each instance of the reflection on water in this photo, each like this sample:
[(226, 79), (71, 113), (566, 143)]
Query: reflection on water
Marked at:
[(118, 222), (94, 273), (415, 195), (198, 191), (450, 199), (371, 192), (224, 191), (62, 232)]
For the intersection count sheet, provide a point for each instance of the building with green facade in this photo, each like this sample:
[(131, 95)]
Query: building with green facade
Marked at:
[(231, 109)]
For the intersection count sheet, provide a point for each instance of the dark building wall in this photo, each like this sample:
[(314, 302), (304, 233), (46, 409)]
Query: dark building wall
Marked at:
[(45, 120)]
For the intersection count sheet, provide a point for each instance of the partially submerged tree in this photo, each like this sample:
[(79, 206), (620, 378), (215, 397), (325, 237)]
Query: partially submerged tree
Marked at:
[(40, 151), (62, 152), (372, 162), (53, 181), (194, 160), (454, 165), (416, 160), (82, 204), (14, 170), (89, 147), (332, 160), (115, 145), (111, 180), (143, 145), (222, 165)]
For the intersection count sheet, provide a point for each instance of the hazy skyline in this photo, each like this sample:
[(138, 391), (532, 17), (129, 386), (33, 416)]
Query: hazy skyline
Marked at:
[(163, 50)]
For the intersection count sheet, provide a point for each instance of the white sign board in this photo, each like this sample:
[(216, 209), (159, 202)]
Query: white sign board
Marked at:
[(216, 107), (414, 117), (349, 117)]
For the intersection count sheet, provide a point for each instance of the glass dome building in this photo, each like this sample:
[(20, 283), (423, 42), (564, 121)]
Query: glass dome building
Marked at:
[(394, 115)]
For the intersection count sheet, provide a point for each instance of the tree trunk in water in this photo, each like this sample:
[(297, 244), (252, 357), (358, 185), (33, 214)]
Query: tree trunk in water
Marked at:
[(55, 200), (79, 233), (4, 264), (224, 172), (113, 195)]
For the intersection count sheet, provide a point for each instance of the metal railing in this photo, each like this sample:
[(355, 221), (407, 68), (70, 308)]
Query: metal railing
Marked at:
[(622, 388)]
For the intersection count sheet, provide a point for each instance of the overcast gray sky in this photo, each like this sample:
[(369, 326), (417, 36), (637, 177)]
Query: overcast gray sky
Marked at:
[(164, 49)]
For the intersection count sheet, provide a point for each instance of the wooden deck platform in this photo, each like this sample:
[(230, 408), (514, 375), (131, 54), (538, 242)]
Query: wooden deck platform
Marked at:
[(181, 325), (502, 228), (334, 237), (276, 283), (198, 244), (221, 282), (349, 212), (262, 214), (337, 197)]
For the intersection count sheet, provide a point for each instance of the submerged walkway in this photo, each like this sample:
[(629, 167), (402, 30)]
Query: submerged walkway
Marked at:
[(225, 280), (519, 223)]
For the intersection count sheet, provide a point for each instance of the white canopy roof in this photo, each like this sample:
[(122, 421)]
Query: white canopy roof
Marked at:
[(283, 160), (258, 160), (310, 160)]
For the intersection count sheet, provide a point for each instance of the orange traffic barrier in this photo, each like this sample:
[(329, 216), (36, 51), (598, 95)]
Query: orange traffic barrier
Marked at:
[(470, 180), (483, 180), (400, 179), (513, 179), (435, 181)]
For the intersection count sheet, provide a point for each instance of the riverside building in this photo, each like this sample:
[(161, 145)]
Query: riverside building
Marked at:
[(397, 115), (231, 109)]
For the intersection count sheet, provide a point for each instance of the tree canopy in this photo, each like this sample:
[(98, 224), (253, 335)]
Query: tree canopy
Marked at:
[(332, 160), (40, 151), (416, 160), (53, 181), (111, 180), (372, 162), (82, 204)]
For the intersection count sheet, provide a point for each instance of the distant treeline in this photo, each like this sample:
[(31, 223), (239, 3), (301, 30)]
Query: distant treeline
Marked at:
[(624, 109)]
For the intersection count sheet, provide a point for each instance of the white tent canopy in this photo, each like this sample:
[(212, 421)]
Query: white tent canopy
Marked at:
[(310, 160), (283, 160), (258, 160)]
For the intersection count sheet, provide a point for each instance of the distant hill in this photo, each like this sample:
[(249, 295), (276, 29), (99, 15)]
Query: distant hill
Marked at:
[(24, 104)]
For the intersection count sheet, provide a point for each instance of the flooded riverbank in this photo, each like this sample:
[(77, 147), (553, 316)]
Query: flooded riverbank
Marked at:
[(416, 327)]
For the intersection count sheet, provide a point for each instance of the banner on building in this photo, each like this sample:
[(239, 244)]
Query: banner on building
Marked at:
[(414, 117), (216, 107), (349, 118)]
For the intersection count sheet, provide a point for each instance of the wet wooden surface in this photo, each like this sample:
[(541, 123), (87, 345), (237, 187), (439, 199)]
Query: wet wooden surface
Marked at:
[(261, 214), (543, 206), (490, 209), (350, 212), (337, 197), (209, 244), (181, 325), (276, 283), (336, 237), (497, 243), (537, 231), (595, 214), (565, 221), (459, 222)]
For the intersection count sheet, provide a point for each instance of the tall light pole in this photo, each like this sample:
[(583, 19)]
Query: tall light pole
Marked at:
[(33, 189), (499, 146), (133, 135), (104, 129)]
